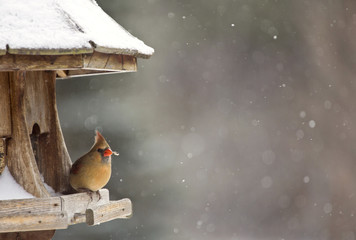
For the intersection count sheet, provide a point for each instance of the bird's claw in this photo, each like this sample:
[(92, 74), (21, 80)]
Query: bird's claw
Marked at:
[(90, 193), (99, 195)]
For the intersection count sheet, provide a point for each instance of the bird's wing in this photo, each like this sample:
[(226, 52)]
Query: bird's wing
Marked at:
[(75, 167)]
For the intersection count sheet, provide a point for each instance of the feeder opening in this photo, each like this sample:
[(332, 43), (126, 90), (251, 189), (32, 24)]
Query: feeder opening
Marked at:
[(35, 136)]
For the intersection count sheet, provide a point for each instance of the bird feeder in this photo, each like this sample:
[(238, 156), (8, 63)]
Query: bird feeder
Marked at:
[(41, 41)]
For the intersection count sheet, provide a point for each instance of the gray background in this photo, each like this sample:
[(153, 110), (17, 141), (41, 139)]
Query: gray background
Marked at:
[(239, 127)]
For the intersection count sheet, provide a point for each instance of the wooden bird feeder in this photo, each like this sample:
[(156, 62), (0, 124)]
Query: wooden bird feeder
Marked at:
[(41, 41)]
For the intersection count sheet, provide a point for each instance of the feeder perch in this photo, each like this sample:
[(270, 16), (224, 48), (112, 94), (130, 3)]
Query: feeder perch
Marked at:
[(41, 41), (38, 214)]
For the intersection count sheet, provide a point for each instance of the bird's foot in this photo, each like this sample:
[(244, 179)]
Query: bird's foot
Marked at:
[(99, 195), (89, 192)]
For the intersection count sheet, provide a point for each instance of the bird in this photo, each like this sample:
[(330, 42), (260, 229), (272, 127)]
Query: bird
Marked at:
[(92, 171)]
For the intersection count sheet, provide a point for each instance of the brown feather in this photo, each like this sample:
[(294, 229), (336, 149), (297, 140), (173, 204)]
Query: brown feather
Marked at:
[(75, 168)]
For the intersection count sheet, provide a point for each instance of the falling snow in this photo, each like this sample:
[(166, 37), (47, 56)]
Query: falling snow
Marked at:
[(327, 104), (300, 134), (312, 124), (306, 179), (240, 127), (302, 114), (266, 182), (328, 207)]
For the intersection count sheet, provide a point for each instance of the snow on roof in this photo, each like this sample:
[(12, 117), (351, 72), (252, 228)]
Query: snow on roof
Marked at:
[(10, 189), (63, 27)]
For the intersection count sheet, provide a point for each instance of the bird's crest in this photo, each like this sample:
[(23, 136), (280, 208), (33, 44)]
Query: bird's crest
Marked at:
[(100, 141), (98, 136)]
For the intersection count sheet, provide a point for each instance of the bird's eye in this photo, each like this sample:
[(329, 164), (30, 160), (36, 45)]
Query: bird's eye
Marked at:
[(100, 150)]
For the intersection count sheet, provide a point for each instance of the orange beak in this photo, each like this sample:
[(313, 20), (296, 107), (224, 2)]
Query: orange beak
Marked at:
[(107, 152)]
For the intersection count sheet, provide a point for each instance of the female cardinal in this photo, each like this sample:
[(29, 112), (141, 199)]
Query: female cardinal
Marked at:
[(92, 171)]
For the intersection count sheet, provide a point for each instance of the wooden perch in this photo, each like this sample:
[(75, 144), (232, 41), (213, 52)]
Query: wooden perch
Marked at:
[(39, 214), (108, 212)]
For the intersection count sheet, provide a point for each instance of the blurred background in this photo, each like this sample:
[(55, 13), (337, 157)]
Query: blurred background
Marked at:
[(241, 125)]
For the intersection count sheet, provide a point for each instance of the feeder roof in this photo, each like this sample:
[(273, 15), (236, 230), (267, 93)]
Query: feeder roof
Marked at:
[(56, 27)]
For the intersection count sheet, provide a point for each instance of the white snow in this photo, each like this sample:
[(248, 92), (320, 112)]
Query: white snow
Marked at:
[(38, 24), (300, 134), (49, 189), (64, 25), (312, 124), (101, 28), (171, 15), (306, 179), (10, 189), (327, 104), (302, 114), (328, 208)]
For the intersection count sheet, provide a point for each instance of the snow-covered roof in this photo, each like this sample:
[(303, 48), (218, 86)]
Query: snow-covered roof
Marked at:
[(51, 27)]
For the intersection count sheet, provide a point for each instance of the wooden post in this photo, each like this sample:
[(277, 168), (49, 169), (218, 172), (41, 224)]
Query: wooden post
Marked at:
[(5, 115), (2, 155), (54, 161), (21, 161), (34, 112), (20, 157)]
